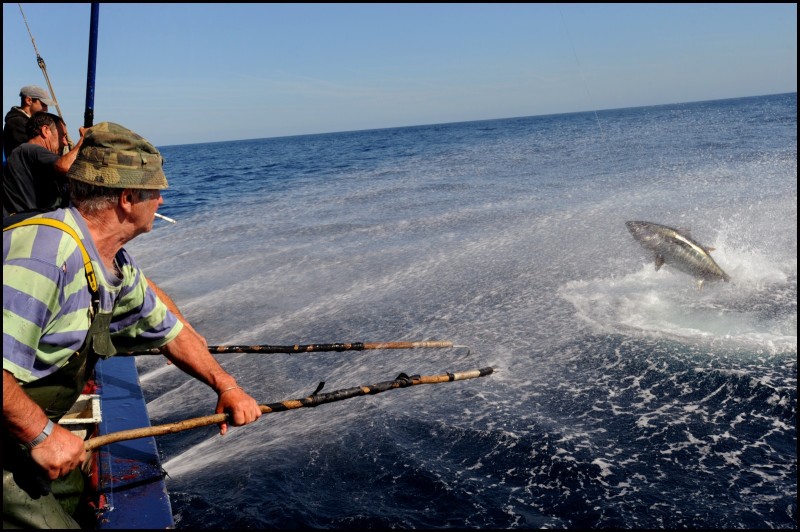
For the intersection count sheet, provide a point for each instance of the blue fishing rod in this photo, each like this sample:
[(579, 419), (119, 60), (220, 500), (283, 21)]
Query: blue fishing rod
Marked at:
[(88, 115)]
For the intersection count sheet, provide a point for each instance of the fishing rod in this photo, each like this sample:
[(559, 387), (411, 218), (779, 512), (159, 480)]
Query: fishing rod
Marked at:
[(312, 348), (43, 67), (315, 399)]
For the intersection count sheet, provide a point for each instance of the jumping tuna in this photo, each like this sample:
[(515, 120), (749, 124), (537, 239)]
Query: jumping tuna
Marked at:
[(678, 250)]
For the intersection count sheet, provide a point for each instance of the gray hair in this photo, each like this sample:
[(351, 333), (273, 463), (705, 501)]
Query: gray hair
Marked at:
[(92, 198)]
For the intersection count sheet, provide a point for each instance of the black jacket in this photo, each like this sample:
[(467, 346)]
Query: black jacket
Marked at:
[(14, 130)]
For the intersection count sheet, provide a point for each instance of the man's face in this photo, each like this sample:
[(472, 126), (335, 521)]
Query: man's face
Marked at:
[(145, 209), (62, 137), (57, 138), (37, 105)]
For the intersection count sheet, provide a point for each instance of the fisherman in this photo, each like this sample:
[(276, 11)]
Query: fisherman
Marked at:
[(33, 99), (34, 177), (60, 315)]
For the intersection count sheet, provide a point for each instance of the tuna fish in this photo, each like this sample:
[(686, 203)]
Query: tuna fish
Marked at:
[(678, 250)]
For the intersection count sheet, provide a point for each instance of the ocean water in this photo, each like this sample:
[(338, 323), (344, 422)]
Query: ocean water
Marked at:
[(623, 397)]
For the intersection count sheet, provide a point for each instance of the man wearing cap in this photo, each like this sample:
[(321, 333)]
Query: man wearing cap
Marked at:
[(33, 179), (59, 317), (32, 100)]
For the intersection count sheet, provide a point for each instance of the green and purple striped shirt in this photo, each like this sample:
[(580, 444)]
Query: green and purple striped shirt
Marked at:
[(46, 299)]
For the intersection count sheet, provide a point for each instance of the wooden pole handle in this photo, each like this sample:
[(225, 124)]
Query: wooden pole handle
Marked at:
[(314, 399)]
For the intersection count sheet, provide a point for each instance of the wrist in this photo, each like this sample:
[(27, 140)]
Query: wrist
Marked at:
[(228, 388), (48, 428), (221, 381)]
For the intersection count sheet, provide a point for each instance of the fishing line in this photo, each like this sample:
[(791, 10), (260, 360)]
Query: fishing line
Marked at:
[(43, 67), (583, 77)]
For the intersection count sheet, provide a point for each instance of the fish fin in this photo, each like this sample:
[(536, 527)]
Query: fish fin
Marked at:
[(659, 262), (709, 249)]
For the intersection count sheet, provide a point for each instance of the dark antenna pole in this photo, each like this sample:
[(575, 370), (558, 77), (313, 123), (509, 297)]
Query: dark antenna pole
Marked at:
[(88, 115)]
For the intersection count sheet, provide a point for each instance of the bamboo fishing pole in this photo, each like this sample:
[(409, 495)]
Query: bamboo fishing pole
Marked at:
[(312, 348), (315, 399)]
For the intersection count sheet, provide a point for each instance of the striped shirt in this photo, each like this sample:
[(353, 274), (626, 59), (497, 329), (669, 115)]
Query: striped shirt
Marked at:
[(46, 299)]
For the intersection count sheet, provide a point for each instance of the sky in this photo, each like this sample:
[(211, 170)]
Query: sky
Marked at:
[(196, 72)]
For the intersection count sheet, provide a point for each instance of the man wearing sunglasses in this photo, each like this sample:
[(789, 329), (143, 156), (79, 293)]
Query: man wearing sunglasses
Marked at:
[(33, 99)]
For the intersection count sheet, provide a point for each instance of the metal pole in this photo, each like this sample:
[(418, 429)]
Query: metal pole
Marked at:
[(88, 115)]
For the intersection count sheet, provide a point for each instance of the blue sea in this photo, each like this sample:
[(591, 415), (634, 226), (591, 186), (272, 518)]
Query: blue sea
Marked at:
[(622, 397)]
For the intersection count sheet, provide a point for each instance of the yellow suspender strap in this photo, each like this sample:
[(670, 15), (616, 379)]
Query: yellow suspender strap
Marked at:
[(87, 262)]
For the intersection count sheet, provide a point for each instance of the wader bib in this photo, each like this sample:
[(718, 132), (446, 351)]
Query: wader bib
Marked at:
[(30, 499)]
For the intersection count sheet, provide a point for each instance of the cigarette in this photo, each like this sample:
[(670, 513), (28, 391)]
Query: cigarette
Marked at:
[(165, 218)]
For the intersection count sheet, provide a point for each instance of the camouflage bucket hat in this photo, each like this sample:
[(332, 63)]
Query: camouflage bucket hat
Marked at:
[(115, 157)]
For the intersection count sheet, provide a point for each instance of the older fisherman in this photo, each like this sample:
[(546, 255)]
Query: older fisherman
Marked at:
[(61, 313)]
